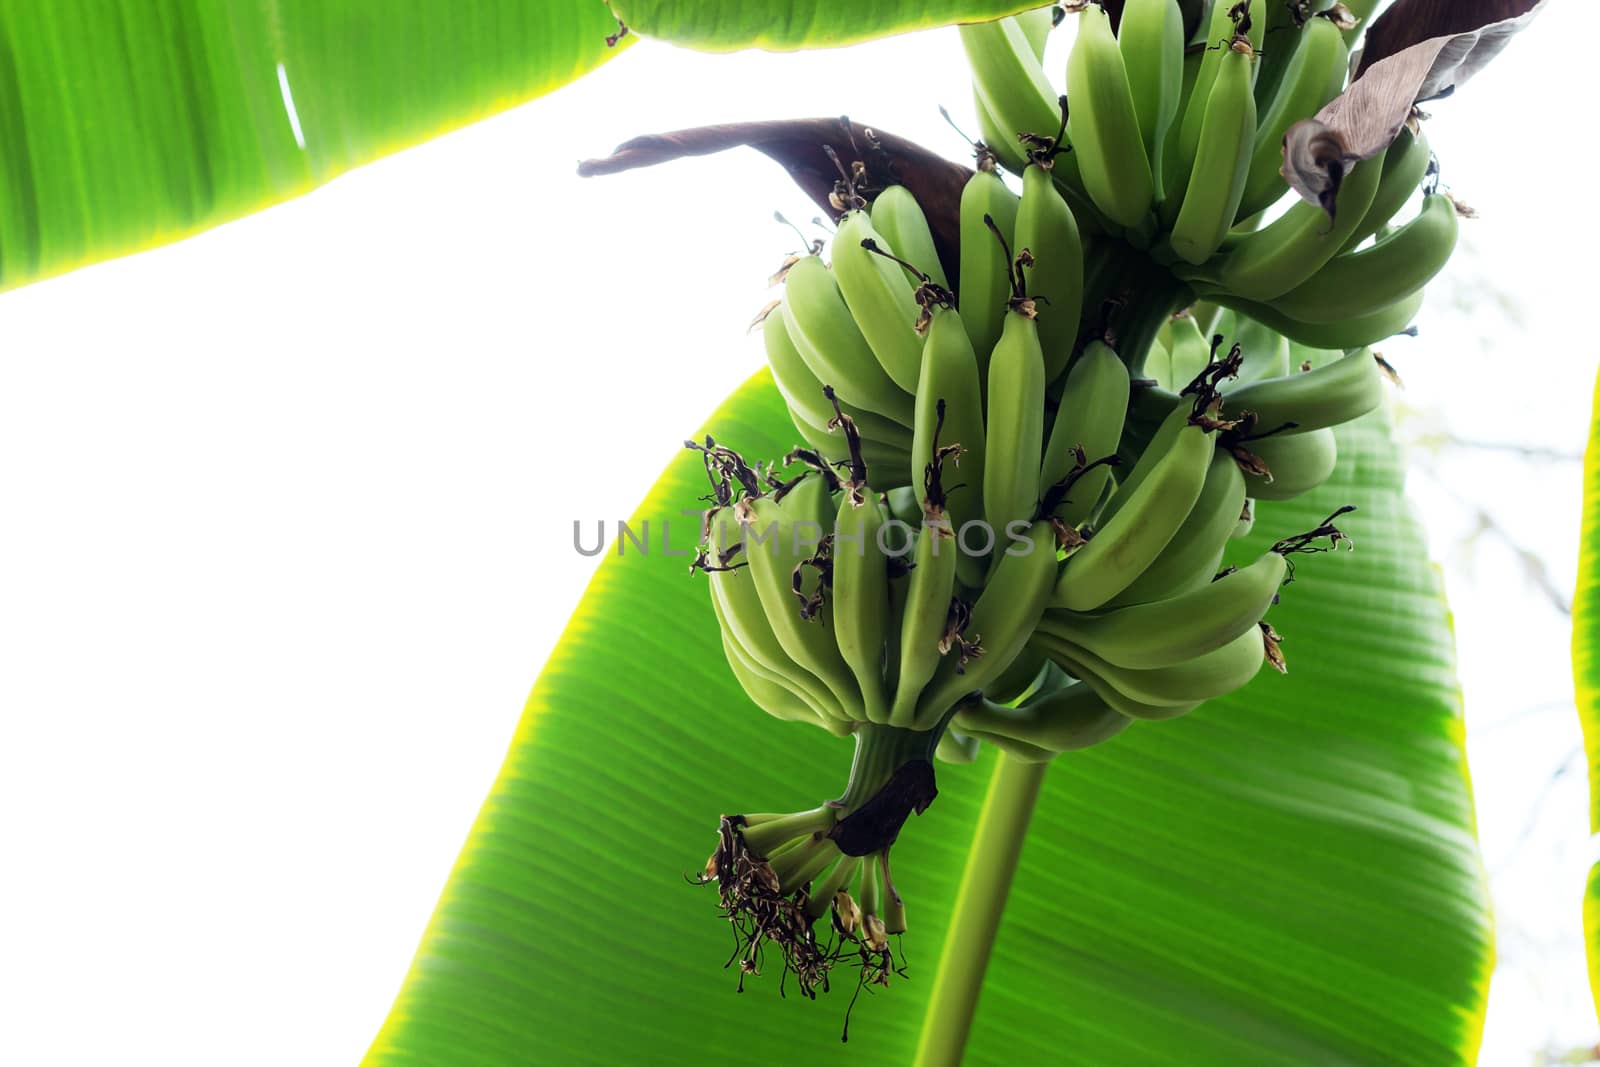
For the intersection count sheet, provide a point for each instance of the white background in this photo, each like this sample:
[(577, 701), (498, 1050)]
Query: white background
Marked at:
[(287, 530)]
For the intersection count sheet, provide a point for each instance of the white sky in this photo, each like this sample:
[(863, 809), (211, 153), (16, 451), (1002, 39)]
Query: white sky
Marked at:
[(289, 530)]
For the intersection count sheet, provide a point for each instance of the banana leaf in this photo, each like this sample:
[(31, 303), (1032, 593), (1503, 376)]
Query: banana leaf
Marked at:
[(1288, 875), (1586, 672), (131, 123), (782, 26)]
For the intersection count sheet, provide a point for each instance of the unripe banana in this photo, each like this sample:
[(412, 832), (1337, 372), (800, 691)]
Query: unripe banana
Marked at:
[(1405, 164), (1398, 264), (1264, 353), (737, 602), (1103, 127), (985, 267), (1067, 657), (1222, 160), (1046, 228), (1185, 683), (1164, 633), (897, 215), (1345, 389), (1219, 36), (1131, 539), (950, 373), (1010, 80), (831, 344), (880, 296), (861, 594), (1174, 165), (1191, 352), (1065, 720), (1150, 37), (1003, 619), (1146, 406), (1036, 26), (1015, 424), (927, 611), (1314, 75), (802, 393), (1017, 680), (778, 538), (1298, 463), (1094, 405), (1276, 258), (1349, 333), (1194, 554), (771, 692), (1005, 147)]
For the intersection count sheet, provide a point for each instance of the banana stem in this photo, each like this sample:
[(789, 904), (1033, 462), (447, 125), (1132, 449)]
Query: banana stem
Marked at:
[(980, 903)]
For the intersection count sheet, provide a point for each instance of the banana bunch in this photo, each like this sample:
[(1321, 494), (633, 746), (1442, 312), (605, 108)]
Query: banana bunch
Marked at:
[(1176, 149), (879, 324)]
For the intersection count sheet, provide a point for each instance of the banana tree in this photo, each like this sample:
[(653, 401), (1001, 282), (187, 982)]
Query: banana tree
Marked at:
[(1289, 873)]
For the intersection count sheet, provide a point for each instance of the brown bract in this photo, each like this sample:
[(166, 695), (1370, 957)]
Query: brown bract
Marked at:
[(1416, 50), (800, 146)]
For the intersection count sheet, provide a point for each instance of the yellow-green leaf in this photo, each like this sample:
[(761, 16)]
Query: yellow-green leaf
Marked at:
[(130, 123), (1289, 875)]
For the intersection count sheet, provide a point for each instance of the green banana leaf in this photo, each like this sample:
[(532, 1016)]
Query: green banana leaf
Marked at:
[(1586, 671), (1289, 875), (131, 123), (783, 26)]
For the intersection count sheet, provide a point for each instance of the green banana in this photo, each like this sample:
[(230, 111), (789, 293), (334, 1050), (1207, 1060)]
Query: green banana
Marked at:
[(1146, 405), (900, 219), (1136, 533), (1313, 76), (985, 266), (1165, 633), (831, 344), (1003, 619), (1150, 37), (1157, 363), (802, 390), (861, 594), (1398, 264), (1009, 79), (1063, 720), (770, 692), (1350, 333), (1174, 166), (1094, 405), (1036, 26), (1067, 657), (1279, 256), (1264, 353), (1191, 352), (1221, 33), (1221, 162), (1006, 149), (1185, 683), (880, 297), (1131, 539), (1103, 127), (738, 605), (927, 611), (1298, 463), (1405, 164), (950, 374), (1194, 554), (1046, 228), (1336, 393), (1015, 424), (779, 536)]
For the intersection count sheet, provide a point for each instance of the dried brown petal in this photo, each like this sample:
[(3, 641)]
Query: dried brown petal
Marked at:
[(1416, 50), (1270, 642), (879, 159)]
